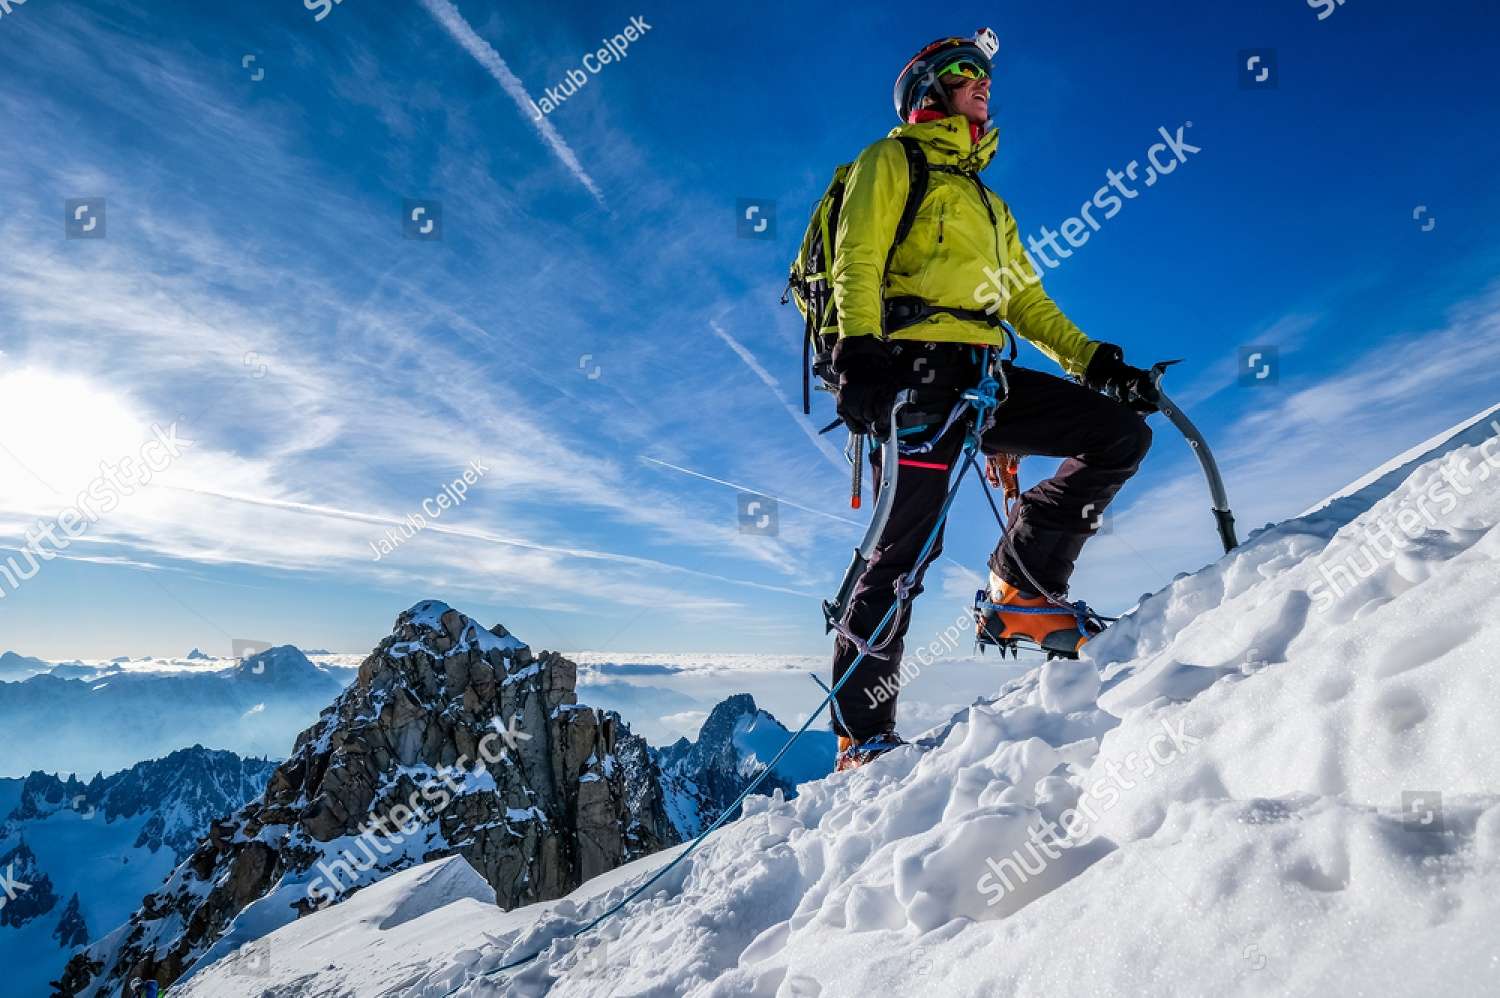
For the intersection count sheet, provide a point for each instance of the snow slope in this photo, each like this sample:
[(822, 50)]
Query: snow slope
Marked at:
[(389, 938), (1279, 775)]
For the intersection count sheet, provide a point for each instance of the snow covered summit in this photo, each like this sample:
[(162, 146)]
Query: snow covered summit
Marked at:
[(1279, 775), (700, 778)]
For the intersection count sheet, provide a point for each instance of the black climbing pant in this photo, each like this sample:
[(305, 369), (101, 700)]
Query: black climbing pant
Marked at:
[(1102, 443)]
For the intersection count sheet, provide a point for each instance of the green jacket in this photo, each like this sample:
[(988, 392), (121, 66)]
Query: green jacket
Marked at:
[(954, 256)]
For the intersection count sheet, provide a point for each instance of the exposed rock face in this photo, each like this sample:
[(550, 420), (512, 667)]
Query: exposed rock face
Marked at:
[(101, 845), (452, 739), (71, 929)]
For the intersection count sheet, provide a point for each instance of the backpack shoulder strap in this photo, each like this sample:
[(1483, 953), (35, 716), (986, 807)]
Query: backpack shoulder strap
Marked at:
[(916, 190), (916, 162)]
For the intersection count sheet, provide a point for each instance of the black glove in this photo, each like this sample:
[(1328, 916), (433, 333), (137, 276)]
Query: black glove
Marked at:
[(867, 384), (1132, 386)]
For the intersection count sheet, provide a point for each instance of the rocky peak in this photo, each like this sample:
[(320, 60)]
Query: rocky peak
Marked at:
[(43, 794), (717, 732), (282, 665), (452, 739), (700, 778), (181, 793)]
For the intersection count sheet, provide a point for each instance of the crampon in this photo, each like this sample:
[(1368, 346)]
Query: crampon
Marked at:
[(1016, 620)]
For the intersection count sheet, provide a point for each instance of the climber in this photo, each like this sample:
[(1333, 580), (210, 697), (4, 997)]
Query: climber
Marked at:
[(911, 314)]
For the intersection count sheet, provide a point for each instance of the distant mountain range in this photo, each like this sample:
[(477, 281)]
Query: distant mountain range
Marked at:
[(84, 718), (87, 852), (14, 667)]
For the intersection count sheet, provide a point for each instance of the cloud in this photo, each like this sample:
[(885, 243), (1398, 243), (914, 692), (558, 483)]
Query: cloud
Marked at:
[(314, 379), (687, 723), (480, 535), (818, 441), (484, 53), (745, 488)]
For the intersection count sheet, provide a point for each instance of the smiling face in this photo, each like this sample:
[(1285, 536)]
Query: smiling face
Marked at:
[(970, 98)]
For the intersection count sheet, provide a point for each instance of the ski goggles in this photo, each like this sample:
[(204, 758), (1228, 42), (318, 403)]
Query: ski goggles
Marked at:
[(966, 68)]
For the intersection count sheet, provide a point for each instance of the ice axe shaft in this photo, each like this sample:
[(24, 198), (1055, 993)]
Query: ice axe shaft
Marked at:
[(890, 458), (857, 464), (1223, 516)]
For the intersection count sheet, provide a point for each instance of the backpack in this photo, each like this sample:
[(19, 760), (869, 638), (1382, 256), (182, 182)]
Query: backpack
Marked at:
[(809, 284)]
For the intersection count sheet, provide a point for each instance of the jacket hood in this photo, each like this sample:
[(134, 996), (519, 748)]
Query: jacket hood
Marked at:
[(948, 142)]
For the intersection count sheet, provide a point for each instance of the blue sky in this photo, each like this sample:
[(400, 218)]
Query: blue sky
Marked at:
[(591, 309)]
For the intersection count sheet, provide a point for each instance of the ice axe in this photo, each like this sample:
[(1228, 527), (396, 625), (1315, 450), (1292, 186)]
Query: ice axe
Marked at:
[(1223, 516), (890, 457)]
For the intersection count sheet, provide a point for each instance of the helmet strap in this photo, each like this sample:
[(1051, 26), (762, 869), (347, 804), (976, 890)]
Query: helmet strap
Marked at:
[(944, 100)]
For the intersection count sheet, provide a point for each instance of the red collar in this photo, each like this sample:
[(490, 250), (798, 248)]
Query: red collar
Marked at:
[(924, 115)]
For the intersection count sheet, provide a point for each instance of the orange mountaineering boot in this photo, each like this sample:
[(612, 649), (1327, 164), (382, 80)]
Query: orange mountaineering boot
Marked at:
[(854, 754), (1012, 615)]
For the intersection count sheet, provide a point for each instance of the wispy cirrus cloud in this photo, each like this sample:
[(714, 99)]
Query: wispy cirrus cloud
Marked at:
[(484, 53), (744, 354)]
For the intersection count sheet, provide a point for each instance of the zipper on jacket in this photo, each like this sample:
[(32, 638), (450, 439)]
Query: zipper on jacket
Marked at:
[(994, 222), (942, 214)]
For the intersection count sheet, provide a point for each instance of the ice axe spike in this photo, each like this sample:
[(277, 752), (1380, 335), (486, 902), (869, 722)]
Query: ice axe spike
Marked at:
[(1223, 516)]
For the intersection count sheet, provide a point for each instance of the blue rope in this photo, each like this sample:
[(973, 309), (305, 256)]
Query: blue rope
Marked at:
[(982, 398), (838, 715)]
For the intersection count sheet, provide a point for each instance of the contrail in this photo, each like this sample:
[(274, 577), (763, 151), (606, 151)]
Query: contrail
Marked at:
[(819, 442), (478, 535), (746, 488), (484, 53)]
